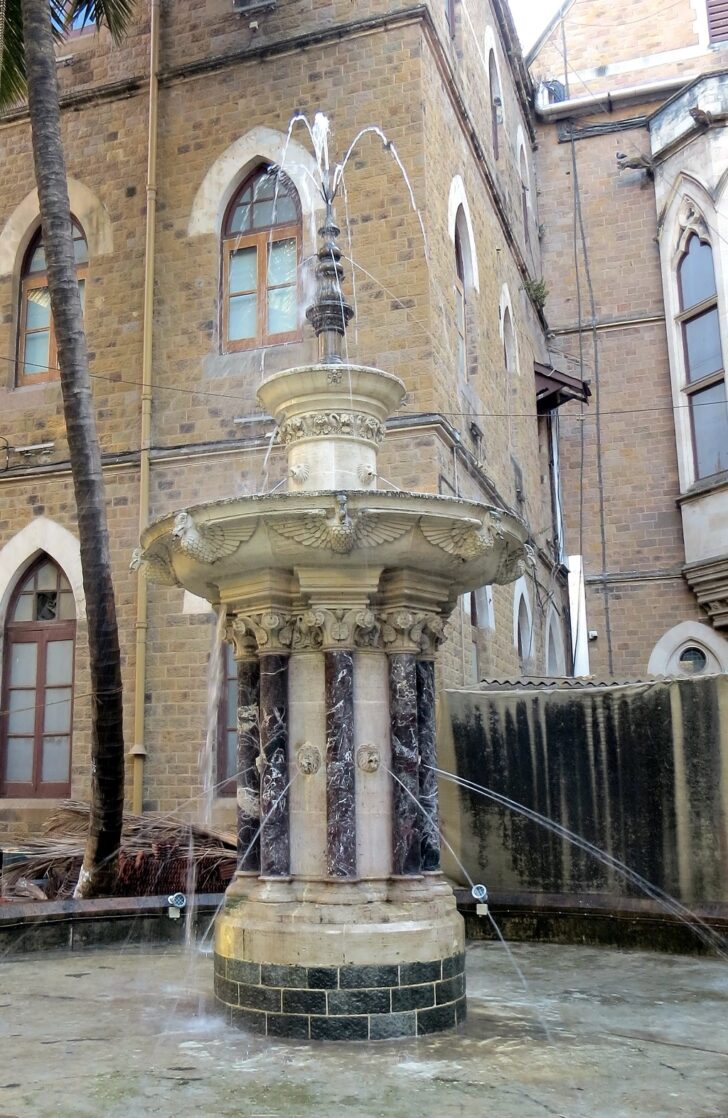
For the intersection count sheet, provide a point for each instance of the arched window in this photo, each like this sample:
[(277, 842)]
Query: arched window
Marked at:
[(261, 251), (555, 665), (461, 354), (496, 104), (509, 343), (37, 357), (523, 172), (524, 636), (37, 703), (704, 372)]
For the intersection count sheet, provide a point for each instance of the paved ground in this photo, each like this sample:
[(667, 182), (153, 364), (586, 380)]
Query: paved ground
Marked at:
[(133, 1033)]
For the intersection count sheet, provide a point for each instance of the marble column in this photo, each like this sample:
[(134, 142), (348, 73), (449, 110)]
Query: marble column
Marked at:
[(428, 760), (340, 768), (275, 842), (406, 814), (247, 767)]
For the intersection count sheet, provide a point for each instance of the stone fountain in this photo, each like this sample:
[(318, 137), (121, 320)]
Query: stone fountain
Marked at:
[(338, 923)]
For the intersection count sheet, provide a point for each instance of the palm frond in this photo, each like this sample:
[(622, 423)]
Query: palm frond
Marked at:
[(114, 14)]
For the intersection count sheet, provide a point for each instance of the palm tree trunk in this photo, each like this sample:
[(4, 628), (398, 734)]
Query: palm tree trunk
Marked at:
[(107, 742)]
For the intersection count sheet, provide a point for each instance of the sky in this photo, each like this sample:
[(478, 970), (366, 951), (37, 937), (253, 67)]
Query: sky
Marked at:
[(531, 16)]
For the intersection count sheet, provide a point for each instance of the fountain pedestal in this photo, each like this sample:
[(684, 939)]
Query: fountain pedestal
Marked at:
[(338, 923)]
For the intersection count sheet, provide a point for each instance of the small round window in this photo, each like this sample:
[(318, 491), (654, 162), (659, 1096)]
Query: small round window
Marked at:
[(693, 660)]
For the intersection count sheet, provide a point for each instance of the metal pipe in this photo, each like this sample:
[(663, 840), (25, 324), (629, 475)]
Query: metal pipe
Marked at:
[(610, 98), (138, 750)]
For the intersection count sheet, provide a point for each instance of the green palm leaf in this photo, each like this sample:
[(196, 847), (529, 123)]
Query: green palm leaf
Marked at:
[(114, 14)]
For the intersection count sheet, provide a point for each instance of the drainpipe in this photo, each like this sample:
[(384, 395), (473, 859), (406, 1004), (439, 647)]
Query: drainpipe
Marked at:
[(609, 100), (138, 751)]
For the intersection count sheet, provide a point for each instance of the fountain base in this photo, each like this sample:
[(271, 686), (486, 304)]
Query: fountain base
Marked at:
[(354, 960)]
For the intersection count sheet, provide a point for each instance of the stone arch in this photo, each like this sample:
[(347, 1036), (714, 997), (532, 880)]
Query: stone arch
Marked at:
[(522, 617), (458, 217), (490, 51), (41, 535), (555, 654), (664, 658), (259, 145), (23, 222)]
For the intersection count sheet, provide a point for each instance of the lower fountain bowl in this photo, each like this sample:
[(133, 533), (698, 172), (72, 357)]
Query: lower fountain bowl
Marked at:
[(341, 961)]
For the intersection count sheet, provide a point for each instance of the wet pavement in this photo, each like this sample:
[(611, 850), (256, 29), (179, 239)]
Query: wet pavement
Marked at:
[(601, 1034)]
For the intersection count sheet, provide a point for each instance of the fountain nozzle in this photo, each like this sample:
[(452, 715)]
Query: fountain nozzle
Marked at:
[(329, 314)]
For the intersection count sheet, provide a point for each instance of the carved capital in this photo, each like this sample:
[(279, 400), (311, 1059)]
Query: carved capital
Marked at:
[(267, 631), (319, 628), (331, 424), (419, 631)]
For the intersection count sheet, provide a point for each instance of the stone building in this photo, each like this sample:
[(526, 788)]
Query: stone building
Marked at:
[(632, 106), (195, 290)]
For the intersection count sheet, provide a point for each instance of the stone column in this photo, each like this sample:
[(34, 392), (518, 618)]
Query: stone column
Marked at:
[(275, 843), (247, 767), (428, 760), (340, 768), (406, 822)]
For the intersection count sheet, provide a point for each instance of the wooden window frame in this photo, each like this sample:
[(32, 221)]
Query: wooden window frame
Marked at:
[(33, 281), (39, 633), (690, 387), (261, 240)]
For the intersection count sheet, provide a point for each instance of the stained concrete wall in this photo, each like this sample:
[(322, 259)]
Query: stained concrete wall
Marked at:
[(640, 771)]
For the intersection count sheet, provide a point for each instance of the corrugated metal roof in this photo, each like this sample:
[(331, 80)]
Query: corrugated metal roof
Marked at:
[(575, 683)]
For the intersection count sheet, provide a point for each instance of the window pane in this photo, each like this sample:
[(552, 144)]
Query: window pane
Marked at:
[(23, 665), (38, 312), (710, 424), (67, 607), (243, 317), (282, 310), (263, 214), (82, 294), (286, 212), (63, 581), (702, 341), (232, 704), (47, 577), (697, 278), (56, 760), (46, 605), (19, 761), (21, 717), (282, 262), (244, 269), (24, 608), (240, 218), (80, 250), (59, 662), (38, 261), (35, 361), (57, 713), (231, 753)]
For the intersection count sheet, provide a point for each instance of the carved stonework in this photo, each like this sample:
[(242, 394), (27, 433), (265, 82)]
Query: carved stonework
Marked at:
[(691, 220), (316, 629), (155, 566), (467, 541), (207, 543), (368, 758), (339, 531), (418, 631), (353, 425), (308, 758), (268, 631)]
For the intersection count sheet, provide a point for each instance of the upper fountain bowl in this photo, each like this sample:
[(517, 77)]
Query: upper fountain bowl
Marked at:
[(331, 420)]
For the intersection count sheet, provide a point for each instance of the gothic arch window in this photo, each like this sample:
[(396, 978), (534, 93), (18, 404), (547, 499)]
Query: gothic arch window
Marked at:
[(496, 104), (461, 339), (704, 386), (261, 258), (37, 354), (524, 636), (509, 343), (523, 174), (40, 634)]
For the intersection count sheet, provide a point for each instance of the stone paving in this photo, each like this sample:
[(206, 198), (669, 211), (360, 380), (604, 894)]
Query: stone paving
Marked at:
[(131, 1033)]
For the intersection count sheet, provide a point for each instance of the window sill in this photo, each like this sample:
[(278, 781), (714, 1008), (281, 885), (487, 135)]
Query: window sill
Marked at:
[(713, 484)]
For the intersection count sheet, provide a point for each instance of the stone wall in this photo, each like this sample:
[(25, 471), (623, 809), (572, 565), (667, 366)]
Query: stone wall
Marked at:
[(639, 771)]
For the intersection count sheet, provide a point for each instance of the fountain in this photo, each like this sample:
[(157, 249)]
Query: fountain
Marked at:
[(338, 923)]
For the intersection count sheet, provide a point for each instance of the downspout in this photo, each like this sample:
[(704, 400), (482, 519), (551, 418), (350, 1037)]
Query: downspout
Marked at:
[(138, 750)]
